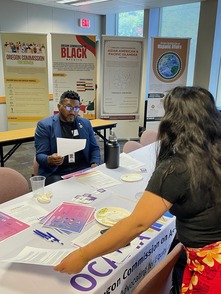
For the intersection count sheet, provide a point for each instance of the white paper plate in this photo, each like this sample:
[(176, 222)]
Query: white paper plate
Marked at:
[(109, 216), (131, 177)]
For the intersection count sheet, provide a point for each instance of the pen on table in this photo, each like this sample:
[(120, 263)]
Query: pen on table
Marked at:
[(55, 239), (42, 233), (47, 238)]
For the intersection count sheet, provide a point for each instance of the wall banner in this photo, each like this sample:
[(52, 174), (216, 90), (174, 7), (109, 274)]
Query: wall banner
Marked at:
[(74, 68), (122, 74), (26, 78), (169, 63)]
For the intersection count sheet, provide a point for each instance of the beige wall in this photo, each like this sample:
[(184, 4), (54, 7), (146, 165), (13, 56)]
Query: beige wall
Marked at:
[(29, 18)]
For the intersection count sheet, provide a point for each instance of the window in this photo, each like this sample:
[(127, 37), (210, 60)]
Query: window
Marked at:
[(218, 96), (131, 23), (182, 21), (179, 21)]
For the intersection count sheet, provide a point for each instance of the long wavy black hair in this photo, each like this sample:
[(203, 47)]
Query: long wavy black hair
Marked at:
[(191, 129)]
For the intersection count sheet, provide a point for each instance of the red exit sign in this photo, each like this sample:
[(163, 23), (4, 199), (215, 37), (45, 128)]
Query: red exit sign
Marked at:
[(84, 22)]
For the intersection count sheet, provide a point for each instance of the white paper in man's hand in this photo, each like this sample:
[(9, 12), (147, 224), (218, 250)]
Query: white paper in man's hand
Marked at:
[(69, 146)]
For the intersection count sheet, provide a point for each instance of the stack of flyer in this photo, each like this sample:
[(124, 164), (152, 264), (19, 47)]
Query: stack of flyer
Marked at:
[(69, 217)]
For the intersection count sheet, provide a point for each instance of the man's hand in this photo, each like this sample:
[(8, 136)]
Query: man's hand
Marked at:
[(93, 164), (55, 159)]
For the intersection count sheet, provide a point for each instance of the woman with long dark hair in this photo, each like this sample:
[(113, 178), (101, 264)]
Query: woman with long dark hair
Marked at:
[(186, 181)]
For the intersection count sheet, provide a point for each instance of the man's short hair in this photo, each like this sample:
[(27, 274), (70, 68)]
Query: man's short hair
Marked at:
[(70, 95)]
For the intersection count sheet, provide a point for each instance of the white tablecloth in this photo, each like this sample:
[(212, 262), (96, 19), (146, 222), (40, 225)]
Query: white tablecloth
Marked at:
[(101, 275)]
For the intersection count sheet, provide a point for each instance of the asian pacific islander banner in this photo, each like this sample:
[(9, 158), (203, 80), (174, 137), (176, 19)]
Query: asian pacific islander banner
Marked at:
[(122, 75), (74, 68), (169, 64), (26, 78)]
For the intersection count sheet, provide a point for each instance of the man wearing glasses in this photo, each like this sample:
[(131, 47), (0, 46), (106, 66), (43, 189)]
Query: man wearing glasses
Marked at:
[(65, 124)]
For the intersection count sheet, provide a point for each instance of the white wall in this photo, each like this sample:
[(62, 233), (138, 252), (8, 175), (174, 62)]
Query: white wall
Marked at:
[(18, 17)]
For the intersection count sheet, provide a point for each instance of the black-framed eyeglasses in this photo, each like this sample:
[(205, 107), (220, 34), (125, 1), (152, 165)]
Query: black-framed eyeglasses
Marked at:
[(69, 108)]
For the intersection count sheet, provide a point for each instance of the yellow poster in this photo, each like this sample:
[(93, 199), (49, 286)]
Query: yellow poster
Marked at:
[(74, 68), (26, 78)]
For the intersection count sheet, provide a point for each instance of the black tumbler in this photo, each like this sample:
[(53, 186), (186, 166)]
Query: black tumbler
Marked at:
[(112, 152)]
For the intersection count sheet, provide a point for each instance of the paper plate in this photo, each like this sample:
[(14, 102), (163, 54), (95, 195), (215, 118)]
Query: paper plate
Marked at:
[(109, 216), (131, 177)]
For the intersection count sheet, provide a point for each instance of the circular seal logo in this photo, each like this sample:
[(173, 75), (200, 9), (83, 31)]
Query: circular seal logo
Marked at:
[(168, 65)]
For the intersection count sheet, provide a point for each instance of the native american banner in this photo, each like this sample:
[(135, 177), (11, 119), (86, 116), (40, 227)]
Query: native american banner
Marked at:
[(26, 78), (74, 68), (169, 64)]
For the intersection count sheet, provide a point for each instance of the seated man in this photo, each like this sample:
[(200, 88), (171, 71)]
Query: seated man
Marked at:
[(65, 124)]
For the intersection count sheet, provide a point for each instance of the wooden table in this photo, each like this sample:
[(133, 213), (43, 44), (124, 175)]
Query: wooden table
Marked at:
[(102, 124), (17, 137)]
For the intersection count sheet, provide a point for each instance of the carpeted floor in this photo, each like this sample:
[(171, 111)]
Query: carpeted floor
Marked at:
[(22, 159)]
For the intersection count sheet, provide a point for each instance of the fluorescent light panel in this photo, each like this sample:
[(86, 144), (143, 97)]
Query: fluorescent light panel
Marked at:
[(88, 2), (65, 1), (80, 3)]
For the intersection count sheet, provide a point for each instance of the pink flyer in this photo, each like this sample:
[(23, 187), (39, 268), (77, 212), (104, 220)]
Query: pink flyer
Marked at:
[(70, 217), (10, 226)]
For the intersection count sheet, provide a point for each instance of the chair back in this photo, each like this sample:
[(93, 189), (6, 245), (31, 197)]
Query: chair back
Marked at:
[(148, 137), (12, 184), (159, 279), (130, 146)]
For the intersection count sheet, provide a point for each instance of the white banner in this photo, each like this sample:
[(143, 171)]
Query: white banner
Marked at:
[(122, 74), (169, 63)]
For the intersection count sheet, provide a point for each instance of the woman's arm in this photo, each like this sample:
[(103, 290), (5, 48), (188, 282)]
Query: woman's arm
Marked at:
[(149, 209)]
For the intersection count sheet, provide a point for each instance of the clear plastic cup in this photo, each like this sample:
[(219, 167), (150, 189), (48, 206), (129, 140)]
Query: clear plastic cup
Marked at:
[(37, 185)]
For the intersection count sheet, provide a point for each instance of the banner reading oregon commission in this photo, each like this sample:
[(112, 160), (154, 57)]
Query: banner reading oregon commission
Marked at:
[(26, 78)]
